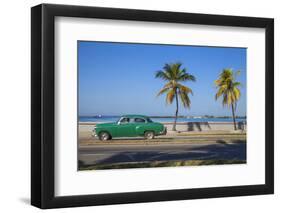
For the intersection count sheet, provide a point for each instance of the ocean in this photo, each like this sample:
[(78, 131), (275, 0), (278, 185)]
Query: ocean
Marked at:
[(104, 119)]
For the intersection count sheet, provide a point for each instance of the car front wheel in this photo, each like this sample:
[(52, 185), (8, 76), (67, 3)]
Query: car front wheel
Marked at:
[(104, 136), (149, 135)]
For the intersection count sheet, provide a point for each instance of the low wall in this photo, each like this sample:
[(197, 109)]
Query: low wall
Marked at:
[(206, 126), (193, 126)]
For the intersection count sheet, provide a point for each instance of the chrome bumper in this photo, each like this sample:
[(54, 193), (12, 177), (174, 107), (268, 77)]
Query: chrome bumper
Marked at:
[(94, 134), (164, 132)]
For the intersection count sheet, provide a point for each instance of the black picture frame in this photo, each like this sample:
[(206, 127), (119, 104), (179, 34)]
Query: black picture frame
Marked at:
[(43, 101)]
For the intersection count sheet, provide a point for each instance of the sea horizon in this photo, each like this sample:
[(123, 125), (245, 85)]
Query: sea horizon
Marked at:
[(157, 118)]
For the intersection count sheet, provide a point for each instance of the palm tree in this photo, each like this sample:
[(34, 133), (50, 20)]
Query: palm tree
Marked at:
[(173, 74), (228, 88)]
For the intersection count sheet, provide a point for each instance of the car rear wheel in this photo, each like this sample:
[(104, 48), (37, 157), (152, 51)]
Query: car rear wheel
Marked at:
[(149, 135), (104, 136)]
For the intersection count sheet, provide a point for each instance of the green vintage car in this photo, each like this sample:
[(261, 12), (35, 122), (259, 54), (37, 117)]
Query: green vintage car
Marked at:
[(129, 126)]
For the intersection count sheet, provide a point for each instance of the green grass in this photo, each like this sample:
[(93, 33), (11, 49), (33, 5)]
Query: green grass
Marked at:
[(159, 164)]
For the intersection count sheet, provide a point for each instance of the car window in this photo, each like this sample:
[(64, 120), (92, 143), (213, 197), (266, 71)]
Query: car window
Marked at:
[(124, 120), (139, 120), (149, 120)]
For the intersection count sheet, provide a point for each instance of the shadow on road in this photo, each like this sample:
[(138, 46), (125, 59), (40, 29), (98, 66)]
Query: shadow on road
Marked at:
[(221, 150)]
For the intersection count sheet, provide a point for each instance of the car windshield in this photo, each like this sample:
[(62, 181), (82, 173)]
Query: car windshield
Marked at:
[(124, 120)]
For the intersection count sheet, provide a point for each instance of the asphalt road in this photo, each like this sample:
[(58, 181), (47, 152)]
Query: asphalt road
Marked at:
[(123, 153)]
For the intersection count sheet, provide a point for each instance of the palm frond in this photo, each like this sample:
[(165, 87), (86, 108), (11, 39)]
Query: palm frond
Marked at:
[(186, 77), (184, 89), (237, 84), (162, 91), (220, 92), (163, 75), (170, 96), (184, 99), (165, 89), (169, 71), (236, 93)]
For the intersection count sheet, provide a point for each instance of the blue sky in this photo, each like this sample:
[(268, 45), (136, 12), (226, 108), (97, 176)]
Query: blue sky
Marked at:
[(119, 78)]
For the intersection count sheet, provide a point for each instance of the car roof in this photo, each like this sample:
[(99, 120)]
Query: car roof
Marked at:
[(135, 116)]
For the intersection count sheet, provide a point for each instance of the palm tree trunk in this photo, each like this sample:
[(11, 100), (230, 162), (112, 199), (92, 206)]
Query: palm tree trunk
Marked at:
[(177, 109), (233, 115)]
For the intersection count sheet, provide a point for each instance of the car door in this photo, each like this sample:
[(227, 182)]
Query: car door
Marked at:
[(139, 126), (125, 128)]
